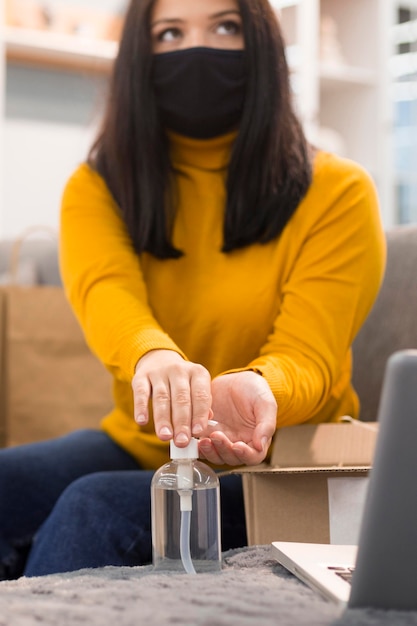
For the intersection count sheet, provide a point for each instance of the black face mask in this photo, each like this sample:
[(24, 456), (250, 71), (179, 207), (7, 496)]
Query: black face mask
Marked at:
[(200, 91)]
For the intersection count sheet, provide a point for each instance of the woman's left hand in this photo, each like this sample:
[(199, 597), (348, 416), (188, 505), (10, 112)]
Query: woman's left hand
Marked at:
[(246, 411)]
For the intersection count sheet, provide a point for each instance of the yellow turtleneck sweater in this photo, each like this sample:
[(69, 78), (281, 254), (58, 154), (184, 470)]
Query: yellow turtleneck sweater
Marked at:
[(290, 308)]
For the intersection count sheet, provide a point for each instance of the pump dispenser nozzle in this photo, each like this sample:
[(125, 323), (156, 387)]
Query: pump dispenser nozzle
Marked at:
[(188, 452)]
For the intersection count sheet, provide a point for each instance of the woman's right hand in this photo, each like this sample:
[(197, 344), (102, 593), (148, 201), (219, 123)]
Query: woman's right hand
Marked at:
[(180, 392)]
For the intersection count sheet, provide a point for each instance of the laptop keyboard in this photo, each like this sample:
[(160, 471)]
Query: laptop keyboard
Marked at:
[(344, 572)]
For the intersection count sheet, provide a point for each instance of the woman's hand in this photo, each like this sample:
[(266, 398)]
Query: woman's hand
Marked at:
[(246, 411), (180, 393)]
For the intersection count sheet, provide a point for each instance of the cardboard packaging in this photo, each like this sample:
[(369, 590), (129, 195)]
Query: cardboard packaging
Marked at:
[(314, 486)]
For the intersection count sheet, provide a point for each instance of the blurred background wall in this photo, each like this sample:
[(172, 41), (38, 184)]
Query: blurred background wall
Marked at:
[(353, 71)]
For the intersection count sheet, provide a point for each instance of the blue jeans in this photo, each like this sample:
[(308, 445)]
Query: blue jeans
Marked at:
[(82, 501)]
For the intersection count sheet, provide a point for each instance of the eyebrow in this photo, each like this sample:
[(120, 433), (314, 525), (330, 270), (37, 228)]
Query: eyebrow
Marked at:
[(178, 20), (223, 13)]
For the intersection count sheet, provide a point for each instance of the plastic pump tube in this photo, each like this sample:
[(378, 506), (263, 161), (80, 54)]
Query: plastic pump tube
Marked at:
[(184, 482), (185, 542)]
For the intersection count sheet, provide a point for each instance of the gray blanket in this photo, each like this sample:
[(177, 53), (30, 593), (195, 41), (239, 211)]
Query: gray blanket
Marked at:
[(252, 589)]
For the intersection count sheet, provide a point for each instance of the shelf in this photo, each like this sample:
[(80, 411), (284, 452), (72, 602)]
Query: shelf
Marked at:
[(335, 76), (58, 50), (293, 56), (284, 4)]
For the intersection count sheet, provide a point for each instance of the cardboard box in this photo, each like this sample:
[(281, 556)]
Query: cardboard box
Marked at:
[(314, 487)]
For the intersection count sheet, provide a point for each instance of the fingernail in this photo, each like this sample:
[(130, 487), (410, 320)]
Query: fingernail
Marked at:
[(165, 431), (197, 429), (181, 438), (140, 419), (264, 442)]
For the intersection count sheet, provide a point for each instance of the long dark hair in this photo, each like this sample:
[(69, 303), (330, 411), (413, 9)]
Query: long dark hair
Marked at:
[(270, 166)]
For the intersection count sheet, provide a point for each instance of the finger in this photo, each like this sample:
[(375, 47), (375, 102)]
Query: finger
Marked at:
[(239, 453), (161, 405), (266, 410), (141, 395), (181, 410), (247, 454), (236, 453), (261, 444), (201, 400), (208, 452), (225, 450), (212, 425)]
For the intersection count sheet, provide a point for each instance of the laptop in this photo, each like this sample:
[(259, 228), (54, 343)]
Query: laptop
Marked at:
[(381, 572)]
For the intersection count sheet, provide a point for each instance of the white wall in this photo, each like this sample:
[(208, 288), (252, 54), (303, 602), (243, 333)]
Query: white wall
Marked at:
[(50, 121)]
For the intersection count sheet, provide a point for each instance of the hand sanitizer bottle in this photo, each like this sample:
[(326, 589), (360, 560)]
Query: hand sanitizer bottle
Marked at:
[(185, 497)]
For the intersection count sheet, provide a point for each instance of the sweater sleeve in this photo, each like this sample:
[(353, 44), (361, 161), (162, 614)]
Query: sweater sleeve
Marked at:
[(103, 279), (332, 285)]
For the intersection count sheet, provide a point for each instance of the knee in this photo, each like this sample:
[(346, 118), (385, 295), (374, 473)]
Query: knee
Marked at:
[(96, 521), (104, 495), (87, 493)]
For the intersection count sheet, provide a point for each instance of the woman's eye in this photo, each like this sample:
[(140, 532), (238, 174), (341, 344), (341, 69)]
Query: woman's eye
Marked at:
[(169, 34), (229, 28)]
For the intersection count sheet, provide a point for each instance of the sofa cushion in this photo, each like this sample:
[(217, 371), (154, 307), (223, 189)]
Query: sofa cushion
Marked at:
[(392, 323)]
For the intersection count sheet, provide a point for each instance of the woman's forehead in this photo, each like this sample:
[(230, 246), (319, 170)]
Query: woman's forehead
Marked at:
[(187, 9)]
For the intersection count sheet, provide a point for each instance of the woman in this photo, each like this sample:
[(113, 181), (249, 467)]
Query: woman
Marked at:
[(219, 267)]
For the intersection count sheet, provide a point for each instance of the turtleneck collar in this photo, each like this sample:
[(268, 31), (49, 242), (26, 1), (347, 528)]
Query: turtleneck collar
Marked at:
[(205, 154)]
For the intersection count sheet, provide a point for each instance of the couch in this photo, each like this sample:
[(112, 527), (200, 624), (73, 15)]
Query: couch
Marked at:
[(392, 323), (50, 382)]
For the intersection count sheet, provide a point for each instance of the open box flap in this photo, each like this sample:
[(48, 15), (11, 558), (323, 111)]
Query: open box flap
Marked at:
[(264, 468), (324, 445)]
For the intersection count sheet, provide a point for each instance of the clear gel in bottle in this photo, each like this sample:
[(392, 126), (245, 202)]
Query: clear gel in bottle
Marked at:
[(185, 498)]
